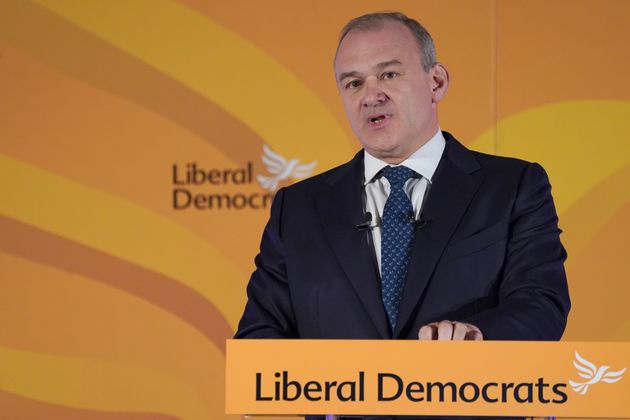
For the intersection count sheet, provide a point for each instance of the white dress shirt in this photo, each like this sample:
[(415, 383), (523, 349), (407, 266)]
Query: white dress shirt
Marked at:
[(423, 162)]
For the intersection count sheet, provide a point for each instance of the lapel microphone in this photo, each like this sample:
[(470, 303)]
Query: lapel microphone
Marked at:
[(418, 223), (366, 224)]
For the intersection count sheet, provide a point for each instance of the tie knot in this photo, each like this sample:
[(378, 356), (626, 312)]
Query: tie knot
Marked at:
[(397, 175)]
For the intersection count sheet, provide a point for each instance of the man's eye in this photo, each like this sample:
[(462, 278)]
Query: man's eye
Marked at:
[(389, 75), (353, 84)]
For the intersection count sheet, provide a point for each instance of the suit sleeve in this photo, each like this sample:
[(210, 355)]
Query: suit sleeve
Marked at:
[(269, 312), (533, 301)]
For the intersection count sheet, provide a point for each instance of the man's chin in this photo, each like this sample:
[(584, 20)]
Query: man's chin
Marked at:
[(380, 143), (390, 154)]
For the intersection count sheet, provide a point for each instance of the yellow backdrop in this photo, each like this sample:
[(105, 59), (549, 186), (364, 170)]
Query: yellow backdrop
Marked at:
[(134, 190)]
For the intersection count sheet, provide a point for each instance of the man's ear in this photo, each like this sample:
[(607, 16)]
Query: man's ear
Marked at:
[(439, 82)]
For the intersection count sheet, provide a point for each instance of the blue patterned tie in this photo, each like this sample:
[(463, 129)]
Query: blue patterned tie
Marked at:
[(396, 240)]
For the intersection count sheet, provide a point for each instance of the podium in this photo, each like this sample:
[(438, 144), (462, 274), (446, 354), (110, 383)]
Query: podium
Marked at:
[(424, 378)]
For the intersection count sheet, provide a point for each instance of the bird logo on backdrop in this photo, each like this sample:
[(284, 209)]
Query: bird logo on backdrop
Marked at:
[(281, 169), (593, 374)]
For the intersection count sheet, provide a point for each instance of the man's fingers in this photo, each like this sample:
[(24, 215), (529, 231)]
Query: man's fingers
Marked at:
[(473, 333), (428, 332), (459, 331), (448, 330), (445, 330)]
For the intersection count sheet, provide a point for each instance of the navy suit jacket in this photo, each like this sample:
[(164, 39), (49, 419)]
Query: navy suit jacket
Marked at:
[(490, 255)]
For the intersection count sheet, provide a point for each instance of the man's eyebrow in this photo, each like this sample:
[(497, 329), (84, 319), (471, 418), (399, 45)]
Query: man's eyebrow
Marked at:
[(388, 63), (379, 66), (348, 74)]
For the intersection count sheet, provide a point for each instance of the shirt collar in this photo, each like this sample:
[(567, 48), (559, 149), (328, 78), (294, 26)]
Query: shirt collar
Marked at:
[(423, 161)]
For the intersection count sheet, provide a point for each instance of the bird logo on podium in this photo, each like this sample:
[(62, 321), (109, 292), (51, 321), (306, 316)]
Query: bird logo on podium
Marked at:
[(593, 374)]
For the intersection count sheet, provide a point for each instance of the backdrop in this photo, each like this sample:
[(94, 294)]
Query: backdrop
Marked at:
[(141, 143)]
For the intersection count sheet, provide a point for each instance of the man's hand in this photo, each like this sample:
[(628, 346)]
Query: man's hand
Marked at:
[(450, 330)]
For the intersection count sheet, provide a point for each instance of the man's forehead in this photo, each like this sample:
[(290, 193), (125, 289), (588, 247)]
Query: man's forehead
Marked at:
[(387, 33), (363, 50)]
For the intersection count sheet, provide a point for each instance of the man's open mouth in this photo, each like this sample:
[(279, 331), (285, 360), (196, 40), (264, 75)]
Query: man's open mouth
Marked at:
[(377, 119)]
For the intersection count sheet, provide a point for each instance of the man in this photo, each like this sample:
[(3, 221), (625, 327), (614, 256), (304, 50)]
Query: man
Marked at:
[(417, 236)]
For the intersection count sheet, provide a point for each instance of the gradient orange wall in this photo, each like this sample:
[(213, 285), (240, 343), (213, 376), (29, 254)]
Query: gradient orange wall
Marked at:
[(114, 305)]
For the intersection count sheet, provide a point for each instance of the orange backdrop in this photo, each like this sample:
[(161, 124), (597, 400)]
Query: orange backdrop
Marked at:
[(114, 304)]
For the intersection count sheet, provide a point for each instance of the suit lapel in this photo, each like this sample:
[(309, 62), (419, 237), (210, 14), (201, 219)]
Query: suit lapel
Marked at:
[(340, 205), (452, 189)]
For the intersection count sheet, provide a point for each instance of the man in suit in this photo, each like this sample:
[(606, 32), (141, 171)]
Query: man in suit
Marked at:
[(416, 236)]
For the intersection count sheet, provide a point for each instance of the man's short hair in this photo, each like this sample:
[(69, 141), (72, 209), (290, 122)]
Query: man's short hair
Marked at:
[(376, 21)]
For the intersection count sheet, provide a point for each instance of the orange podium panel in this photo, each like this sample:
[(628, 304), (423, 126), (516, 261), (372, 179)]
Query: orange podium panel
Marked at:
[(515, 378)]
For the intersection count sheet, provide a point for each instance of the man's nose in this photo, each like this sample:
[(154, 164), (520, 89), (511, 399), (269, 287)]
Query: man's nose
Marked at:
[(373, 94)]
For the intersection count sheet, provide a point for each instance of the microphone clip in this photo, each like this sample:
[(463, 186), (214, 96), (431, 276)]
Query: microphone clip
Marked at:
[(418, 223), (367, 224)]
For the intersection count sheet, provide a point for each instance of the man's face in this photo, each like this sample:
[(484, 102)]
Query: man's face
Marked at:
[(390, 101)]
